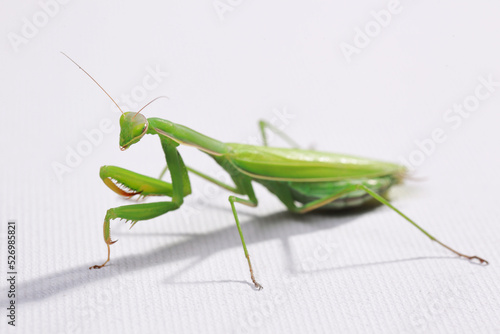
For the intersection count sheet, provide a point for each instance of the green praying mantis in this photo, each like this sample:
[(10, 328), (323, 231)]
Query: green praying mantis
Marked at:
[(303, 180)]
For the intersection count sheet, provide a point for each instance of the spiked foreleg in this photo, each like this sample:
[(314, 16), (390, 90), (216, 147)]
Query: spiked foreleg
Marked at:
[(128, 184), (133, 213)]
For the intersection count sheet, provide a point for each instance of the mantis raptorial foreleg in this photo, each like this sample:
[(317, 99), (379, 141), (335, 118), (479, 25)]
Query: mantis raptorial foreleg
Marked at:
[(132, 213), (137, 184), (127, 183)]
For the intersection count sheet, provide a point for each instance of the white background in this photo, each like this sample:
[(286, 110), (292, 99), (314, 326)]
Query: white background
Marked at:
[(367, 271)]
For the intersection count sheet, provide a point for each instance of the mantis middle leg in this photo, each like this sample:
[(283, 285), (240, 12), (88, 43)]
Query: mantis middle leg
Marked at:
[(264, 124), (245, 184), (243, 187)]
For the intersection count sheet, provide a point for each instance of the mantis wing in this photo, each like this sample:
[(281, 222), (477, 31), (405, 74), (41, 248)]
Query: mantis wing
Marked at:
[(286, 164)]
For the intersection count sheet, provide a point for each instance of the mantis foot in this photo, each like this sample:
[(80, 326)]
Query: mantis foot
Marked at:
[(98, 266), (257, 285), (470, 258), (481, 261), (108, 243)]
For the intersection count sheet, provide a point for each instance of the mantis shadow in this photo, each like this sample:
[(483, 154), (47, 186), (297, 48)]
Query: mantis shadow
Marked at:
[(281, 225)]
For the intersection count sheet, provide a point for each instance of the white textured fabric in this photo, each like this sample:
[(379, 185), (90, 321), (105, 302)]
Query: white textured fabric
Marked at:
[(379, 79)]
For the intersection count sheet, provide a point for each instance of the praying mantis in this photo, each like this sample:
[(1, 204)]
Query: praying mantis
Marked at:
[(303, 180)]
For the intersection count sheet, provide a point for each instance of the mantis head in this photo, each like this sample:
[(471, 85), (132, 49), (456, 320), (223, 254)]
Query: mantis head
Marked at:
[(133, 126)]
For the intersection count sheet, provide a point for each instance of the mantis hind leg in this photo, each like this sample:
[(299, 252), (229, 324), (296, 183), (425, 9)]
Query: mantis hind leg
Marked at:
[(328, 199), (385, 202)]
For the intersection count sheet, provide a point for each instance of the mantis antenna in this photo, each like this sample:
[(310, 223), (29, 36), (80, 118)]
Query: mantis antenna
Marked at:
[(147, 104), (74, 62)]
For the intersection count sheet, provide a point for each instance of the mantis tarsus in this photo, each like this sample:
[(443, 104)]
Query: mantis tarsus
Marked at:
[(303, 180)]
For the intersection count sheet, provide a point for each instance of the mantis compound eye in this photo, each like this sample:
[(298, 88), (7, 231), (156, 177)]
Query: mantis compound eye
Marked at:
[(132, 128)]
